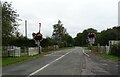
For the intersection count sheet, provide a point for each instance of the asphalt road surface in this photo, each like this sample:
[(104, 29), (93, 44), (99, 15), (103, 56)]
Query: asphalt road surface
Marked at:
[(65, 62)]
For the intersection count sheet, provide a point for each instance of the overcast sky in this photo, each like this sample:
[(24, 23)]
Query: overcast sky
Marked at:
[(76, 15)]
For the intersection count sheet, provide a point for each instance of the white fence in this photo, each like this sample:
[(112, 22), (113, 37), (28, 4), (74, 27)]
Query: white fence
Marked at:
[(14, 51), (104, 49), (11, 51), (33, 51), (113, 42)]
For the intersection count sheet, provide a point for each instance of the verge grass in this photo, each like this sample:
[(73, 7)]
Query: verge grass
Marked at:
[(106, 56), (111, 57), (12, 60)]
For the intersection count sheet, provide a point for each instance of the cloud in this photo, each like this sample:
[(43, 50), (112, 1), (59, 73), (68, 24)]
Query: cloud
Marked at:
[(76, 15)]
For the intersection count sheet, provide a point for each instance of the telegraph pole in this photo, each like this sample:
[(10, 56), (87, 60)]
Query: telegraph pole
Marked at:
[(26, 28), (39, 26)]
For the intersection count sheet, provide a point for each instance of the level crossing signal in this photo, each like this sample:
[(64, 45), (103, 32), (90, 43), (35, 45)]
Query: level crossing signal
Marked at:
[(91, 38)]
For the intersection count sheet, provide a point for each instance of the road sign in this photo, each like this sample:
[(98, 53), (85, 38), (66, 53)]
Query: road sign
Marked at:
[(91, 38), (38, 36)]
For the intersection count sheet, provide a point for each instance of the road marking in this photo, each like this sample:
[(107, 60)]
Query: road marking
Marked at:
[(85, 53), (39, 69), (48, 64), (52, 53)]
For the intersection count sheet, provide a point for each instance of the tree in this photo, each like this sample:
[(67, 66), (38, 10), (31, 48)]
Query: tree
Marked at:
[(47, 42), (81, 38), (9, 22), (68, 40), (58, 32), (78, 40), (102, 37), (109, 34)]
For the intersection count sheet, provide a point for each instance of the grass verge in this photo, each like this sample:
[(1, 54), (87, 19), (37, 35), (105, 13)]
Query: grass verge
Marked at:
[(108, 56), (104, 55), (12, 60)]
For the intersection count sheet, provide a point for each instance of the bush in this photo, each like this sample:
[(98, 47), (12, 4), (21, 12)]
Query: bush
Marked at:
[(63, 44), (89, 47), (115, 50), (49, 48)]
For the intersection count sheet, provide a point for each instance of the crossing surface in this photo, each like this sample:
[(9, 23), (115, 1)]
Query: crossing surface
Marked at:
[(65, 62)]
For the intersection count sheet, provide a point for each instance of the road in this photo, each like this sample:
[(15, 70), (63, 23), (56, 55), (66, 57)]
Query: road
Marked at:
[(64, 62)]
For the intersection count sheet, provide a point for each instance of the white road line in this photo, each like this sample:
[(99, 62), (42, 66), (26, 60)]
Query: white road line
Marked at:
[(47, 65), (85, 53), (39, 70), (52, 53)]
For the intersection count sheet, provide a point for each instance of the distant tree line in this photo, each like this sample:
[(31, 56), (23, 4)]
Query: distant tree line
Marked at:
[(102, 37), (60, 36)]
